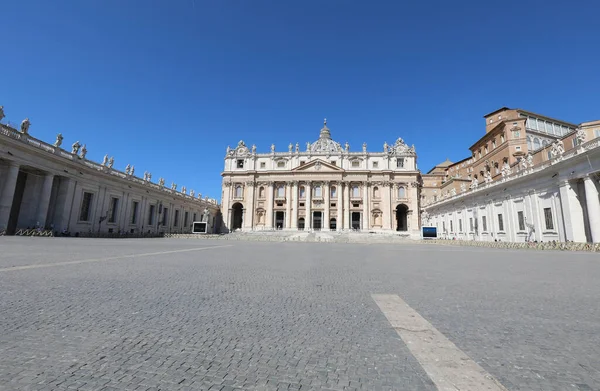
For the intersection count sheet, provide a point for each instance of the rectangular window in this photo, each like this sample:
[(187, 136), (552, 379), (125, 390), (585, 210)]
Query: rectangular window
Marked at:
[(470, 224), (185, 219), (194, 217), (451, 226), (355, 163), (176, 219), (483, 223), (521, 218), (500, 223), (459, 225), (355, 192), (302, 163), (113, 210), (375, 164), (134, 212), (86, 205), (240, 163), (333, 162), (444, 226), (280, 192), (574, 142), (318, 192), (548, 218), (151, 215), (400, 163), (165, 216), (263, 164), (596, 132)]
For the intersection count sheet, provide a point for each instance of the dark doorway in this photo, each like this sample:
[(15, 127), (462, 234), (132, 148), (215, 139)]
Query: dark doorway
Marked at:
[(355, 220), (301, 223), (333, 224), (317, 220), (279, 217), (237, 217), (15, 209), (402, 218)]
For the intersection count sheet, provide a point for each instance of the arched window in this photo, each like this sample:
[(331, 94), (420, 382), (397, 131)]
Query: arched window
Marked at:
[(333, 192), (376, 192), (544, 143), (280, 191), (318, 191), (280, 164), (261, 192), (302, 192), (355, 191), (529, 144), (238, 191), (401, 192), (536, 144)]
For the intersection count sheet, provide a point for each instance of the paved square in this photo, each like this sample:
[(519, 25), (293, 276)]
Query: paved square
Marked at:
[(93, 314)]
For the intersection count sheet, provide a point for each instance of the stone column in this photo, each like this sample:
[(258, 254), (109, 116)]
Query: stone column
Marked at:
[(269, 216), (44, 200), (294, 197), (249, 217), (387, 207), (288, 205), (593, 207), (340, 207), (366, 217), (572, 213), (308, 204), (326, 198), (8, 193), (347, 216)]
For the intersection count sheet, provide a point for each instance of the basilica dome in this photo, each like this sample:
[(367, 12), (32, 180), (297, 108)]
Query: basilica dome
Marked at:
[(325, 143)]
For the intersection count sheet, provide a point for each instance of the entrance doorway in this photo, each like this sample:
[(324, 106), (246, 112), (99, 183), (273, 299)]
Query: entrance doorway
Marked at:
[(355, 219), (317, 220), (237, 216), (333, 224), (279, 218), (301, 223), (402, 218)]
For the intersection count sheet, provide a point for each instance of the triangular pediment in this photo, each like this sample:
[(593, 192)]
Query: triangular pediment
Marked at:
[(318, 165)]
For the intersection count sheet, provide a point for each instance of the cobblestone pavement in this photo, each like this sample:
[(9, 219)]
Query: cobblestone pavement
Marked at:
[(286, 316)]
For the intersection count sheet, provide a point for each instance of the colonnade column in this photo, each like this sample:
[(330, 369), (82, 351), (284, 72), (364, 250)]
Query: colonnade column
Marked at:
[(572, 213), (326, 196), (347, 216), (387, 206), (8, 193), (44, 204), (308, 217), (248, 221), (288, 205), (365, 222), (269, 217), (593, 207), (340, 208), (294, 199)]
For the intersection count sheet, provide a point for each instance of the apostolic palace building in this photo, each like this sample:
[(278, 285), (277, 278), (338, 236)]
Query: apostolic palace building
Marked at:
[(324, 186)]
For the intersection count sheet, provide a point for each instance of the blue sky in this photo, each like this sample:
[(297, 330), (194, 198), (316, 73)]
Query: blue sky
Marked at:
[(167, 85)]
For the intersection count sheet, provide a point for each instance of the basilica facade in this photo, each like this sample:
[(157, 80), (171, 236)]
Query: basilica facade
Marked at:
[(324, 186)]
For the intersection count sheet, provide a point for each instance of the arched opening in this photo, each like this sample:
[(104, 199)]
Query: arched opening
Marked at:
[(317, 220), (402, 218), (261, 192), (301, 223), (376, 192), (237, 216), (333, 224)]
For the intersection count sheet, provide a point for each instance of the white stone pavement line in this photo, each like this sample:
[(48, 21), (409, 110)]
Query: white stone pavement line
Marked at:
[(25, 267), (447, 366)]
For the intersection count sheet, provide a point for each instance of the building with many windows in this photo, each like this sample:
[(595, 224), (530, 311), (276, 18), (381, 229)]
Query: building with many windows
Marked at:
[(44, 186), (326, 186), (529, 178)]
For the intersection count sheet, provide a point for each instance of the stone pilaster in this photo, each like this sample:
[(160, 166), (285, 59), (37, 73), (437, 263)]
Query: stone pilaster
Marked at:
[(288, 205), (340, 207), (366, 217), (269, 216), (294, 201), (346, 205), (326, 200), (248, 222), (572, 213), (308, 205)]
